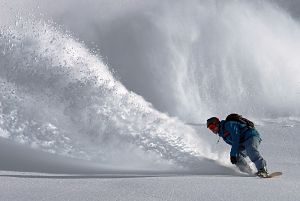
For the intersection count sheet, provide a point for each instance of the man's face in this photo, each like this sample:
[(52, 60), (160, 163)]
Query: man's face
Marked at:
[(214, 128)]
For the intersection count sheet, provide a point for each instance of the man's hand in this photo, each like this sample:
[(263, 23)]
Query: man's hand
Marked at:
[(233, 159)]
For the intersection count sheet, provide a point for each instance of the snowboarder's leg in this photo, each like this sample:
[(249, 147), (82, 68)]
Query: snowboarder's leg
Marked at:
[(251, 146), (242, 163)]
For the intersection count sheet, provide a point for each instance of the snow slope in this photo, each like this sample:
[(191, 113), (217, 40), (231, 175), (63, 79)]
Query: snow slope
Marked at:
[(278, 147)]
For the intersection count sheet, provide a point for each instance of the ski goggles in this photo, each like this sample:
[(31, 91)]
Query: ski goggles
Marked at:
[(212, 126)]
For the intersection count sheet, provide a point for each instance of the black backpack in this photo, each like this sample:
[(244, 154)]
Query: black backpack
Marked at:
[(240, 119)]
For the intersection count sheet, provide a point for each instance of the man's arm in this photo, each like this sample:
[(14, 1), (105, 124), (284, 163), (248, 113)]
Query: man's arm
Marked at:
[(234, 129)]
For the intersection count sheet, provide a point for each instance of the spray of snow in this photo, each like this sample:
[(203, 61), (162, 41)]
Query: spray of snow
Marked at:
[(192, 60), (59, 97)]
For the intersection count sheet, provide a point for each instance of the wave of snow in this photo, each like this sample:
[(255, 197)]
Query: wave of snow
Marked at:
[(59, 97), (188, 60)]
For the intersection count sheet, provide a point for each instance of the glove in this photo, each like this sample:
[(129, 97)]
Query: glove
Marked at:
[(233, 159)]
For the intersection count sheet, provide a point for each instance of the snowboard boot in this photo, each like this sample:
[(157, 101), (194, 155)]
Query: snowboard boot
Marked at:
[(263, 173)]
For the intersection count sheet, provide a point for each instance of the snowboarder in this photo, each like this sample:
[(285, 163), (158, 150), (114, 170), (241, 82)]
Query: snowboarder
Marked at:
[(244, 139)]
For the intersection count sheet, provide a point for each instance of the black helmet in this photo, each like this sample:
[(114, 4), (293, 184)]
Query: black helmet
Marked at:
[(212, 120)]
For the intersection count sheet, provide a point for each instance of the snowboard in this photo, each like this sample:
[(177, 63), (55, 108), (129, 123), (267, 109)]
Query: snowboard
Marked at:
[(272, 175)]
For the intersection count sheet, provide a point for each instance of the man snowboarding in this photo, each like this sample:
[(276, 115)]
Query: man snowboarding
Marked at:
[(244, 139)]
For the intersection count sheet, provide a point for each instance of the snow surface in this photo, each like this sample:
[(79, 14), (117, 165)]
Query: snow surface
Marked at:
[(279, 147)]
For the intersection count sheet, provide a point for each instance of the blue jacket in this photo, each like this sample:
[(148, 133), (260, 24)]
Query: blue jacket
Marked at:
[(235, 134)]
